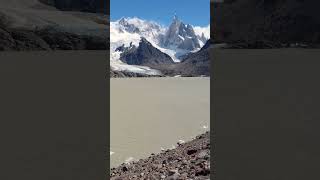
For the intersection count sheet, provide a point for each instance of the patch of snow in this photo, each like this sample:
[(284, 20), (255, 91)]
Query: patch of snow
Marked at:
[(181, 37), (201, 43)]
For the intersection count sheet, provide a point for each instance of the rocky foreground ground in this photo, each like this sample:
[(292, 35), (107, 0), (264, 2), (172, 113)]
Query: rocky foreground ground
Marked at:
[(189, 160)]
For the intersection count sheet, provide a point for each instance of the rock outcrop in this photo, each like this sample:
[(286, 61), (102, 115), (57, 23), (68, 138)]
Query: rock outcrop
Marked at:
[(181, 36), (146, 55)]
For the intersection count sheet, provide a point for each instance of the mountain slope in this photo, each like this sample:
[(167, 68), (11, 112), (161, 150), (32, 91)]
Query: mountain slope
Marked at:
[(146, 55), (195, 64)]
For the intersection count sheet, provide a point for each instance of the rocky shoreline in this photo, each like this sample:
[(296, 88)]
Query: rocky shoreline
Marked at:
[(190, 160), (125, 74)]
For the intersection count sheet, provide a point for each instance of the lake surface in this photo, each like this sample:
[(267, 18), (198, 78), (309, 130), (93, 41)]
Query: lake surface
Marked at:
[(148, 114)]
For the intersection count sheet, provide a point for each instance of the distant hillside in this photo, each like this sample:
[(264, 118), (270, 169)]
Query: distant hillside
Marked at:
[(266, 23)]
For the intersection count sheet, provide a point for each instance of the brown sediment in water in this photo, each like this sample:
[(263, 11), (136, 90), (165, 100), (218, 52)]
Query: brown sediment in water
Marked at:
[(190, 160)]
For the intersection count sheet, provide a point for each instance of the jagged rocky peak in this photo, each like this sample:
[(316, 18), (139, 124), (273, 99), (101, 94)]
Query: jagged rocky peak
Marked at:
[(144, 41), (122, 48), (128, 27), (136, 25), (203, 38), (123, 21), (181, 35)]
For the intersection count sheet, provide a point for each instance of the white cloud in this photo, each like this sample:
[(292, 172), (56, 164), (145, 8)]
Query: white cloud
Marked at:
[(205, 30)]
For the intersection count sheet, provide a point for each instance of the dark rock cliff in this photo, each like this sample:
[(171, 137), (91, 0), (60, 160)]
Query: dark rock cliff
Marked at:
[(145, 54)]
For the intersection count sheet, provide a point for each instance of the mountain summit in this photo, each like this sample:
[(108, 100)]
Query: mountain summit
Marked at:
[(180, 35)]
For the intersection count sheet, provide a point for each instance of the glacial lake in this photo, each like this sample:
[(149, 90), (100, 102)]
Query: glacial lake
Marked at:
[(150, 114)]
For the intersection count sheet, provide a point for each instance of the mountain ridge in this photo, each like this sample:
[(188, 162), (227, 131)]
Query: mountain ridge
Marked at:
[(145, 54), (126, 34), (181, 36)]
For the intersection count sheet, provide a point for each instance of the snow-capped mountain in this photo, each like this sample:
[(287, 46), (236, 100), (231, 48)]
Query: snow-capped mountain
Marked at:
[(180, 36), (176, 40), (144, 54)]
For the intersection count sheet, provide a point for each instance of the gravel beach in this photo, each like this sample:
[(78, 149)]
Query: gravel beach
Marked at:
[(190, 160)]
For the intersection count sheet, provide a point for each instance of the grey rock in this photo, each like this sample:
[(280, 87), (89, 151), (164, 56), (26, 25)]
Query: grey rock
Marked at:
[(148, 168), (145, 54), (180, 35)]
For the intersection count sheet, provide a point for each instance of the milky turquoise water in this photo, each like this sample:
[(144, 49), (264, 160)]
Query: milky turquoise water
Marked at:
[(148, 114)]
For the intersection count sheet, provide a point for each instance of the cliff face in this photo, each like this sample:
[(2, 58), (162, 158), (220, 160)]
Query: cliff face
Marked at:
[(266, 22), (145, 54)]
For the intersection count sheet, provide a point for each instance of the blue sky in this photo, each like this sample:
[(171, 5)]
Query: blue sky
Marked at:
[(195, 12)]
